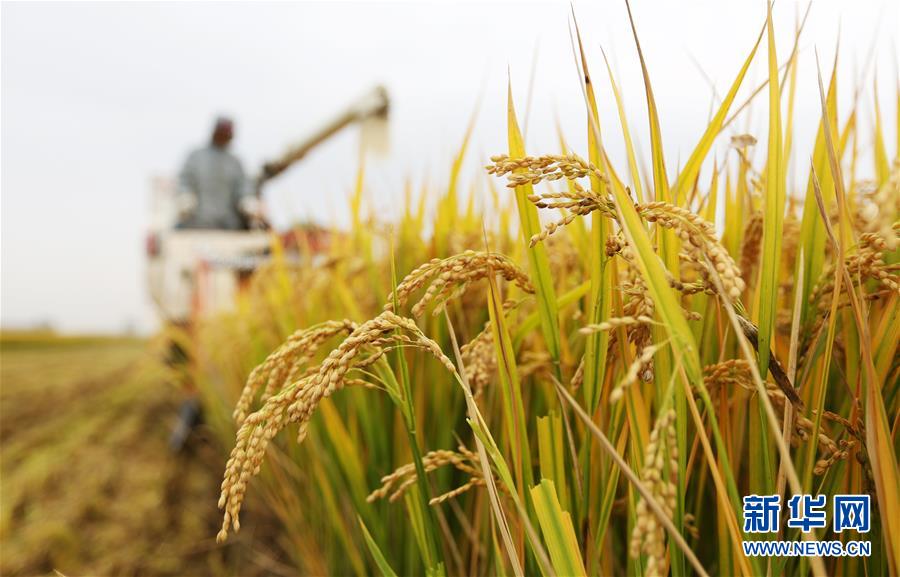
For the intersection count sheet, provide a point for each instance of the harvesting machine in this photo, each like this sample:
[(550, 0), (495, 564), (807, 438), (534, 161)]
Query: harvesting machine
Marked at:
[(196, 273)]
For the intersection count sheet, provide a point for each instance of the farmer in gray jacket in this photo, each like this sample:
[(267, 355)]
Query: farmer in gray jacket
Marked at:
[(214, 193)]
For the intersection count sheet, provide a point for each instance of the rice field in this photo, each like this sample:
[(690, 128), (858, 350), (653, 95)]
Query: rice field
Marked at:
[(582, 371), (88, 484), (587, 372)]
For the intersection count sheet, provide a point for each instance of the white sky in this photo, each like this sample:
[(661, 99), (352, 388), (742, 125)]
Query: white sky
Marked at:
[(99, 98)]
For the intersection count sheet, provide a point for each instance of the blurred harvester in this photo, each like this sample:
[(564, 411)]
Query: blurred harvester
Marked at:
[(209, 233), (195, 266)]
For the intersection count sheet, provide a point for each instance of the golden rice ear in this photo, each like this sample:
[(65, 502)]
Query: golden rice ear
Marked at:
[(751, 245), (660, 474), (699, 240), (450, 277), (394, 485), (299, 401), (279, 368)]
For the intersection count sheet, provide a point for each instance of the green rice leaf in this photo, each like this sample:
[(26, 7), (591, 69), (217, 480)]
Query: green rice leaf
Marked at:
[(380, 561)]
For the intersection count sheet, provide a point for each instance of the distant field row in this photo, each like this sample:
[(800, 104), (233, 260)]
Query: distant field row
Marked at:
[(30, 339)]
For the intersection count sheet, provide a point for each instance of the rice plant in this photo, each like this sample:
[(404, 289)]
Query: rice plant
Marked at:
[(586, 375)]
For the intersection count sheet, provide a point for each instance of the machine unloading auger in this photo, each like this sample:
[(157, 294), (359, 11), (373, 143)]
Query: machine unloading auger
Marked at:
[(194, 273), (373, 105)]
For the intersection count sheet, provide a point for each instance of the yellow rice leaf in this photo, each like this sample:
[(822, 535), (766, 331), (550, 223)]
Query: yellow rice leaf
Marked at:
[(552, 454), (774, 212), (514, 411), (882, 165), (537, 254), (626, 134), (812, 232), (600, 296), (690, 171), (556, 525), (879, 442)]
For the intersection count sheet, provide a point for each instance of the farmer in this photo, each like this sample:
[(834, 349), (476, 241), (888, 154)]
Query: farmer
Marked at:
[(213, 195), (213, 192)]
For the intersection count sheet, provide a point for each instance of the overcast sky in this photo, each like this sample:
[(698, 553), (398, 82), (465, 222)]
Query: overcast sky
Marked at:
[(99, 98)]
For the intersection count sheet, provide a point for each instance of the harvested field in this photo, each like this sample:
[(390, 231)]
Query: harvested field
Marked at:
[(89, 485)]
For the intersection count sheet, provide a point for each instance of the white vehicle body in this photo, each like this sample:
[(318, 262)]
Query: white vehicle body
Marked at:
[(197, 273)]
